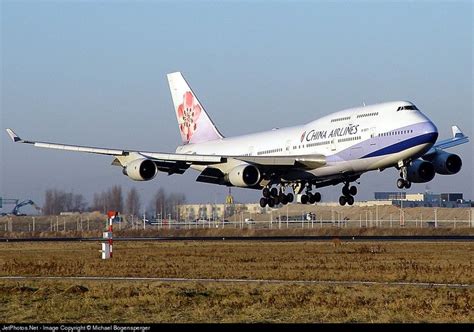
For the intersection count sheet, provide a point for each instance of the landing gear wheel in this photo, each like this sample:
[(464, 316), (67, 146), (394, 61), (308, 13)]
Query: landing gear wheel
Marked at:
[(276, 200), (407, 184), (289, 197), (304, 199), (311, 198), (353, 191), (342, 200), (266, 192), (318, 197), (345, 191), (350, 200), (283, 199), (263, 202), (400, 183), (271, 202), (274, 192)]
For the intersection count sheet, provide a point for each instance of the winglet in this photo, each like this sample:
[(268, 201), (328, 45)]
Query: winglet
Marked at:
[(457, 133), (13, 136)]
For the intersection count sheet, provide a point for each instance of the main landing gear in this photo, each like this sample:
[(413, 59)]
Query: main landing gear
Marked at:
[(273, 197), (347, 195), (309, 197)]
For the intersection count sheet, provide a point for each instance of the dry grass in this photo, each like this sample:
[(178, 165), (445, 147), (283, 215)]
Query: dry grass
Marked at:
[(94, 301), (201, 303), (392, 261)]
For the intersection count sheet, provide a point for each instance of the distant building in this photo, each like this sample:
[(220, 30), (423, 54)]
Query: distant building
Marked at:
[(389, 195), (452, 197), (427, 199), (211, 212)]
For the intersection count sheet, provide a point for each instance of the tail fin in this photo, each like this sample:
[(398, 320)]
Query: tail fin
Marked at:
[(194, 123)]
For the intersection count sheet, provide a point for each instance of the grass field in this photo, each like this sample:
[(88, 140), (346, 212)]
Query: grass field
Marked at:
[(142, 301)]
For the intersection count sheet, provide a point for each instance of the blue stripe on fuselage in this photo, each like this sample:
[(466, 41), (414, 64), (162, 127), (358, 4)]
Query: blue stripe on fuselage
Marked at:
[(403, 145)]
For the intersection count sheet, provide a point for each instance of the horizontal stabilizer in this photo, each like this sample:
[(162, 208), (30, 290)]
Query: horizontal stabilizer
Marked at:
[(457, 139)]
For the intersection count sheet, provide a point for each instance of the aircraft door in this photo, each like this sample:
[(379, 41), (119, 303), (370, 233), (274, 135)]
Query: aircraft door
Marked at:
[(251, 151), (288, 147), (373, 135), (333, 144)]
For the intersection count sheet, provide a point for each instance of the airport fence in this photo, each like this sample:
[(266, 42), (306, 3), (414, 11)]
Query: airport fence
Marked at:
[(62, 224)]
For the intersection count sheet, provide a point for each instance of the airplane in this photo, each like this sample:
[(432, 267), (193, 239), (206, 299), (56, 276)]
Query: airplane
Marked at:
[(337, 148)]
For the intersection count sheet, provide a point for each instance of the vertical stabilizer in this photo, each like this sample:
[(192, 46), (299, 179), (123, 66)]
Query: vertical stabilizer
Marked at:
[(194, 124)]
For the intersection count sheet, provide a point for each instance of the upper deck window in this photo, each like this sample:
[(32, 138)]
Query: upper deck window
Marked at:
[(408, 107)]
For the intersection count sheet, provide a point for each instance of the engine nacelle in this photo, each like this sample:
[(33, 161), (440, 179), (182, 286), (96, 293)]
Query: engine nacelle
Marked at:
[(140, 169), (446, 163), (420, 171), (244, 175)]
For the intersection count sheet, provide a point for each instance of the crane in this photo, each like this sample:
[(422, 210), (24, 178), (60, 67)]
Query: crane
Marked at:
[(16, 209)]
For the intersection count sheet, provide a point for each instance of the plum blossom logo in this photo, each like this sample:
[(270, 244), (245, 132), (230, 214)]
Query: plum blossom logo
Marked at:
[(302, 136), (188, 114)]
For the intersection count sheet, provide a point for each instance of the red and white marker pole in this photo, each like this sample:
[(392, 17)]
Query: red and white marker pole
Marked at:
[(111, 232), (107, 247)]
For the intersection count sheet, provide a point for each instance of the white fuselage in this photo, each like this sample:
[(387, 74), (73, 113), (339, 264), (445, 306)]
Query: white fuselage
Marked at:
[(353, 140)]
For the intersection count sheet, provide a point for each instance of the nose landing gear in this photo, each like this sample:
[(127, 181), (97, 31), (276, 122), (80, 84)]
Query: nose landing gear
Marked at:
[(403, 181)]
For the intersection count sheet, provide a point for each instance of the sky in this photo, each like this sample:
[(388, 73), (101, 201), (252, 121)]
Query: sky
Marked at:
[(94, 73)]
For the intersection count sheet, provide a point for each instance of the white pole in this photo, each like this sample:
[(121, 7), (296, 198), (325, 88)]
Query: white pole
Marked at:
[(377, 215), (34, 224), (436, 218)]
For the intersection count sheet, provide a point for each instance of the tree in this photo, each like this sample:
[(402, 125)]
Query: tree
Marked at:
[(110, 199), (158, 202), (132, 203), (115, 200), (57, 201), (165, 205)]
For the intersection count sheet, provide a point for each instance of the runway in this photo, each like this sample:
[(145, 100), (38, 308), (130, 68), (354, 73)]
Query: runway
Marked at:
[(414, 238), (248, 281)]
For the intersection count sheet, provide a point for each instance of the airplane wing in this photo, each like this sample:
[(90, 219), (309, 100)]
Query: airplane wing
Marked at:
[(178, 163), (457, 139)]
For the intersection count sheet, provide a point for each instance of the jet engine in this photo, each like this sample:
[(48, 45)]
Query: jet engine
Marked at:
[(244, 175), (140, 169), (446, 163), (420, 171)]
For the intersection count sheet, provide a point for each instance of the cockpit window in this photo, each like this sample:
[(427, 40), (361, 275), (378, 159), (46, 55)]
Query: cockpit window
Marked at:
[(409, 107)]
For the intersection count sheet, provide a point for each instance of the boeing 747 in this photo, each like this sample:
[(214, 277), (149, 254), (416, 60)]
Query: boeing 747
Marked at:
[(335, 149)]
